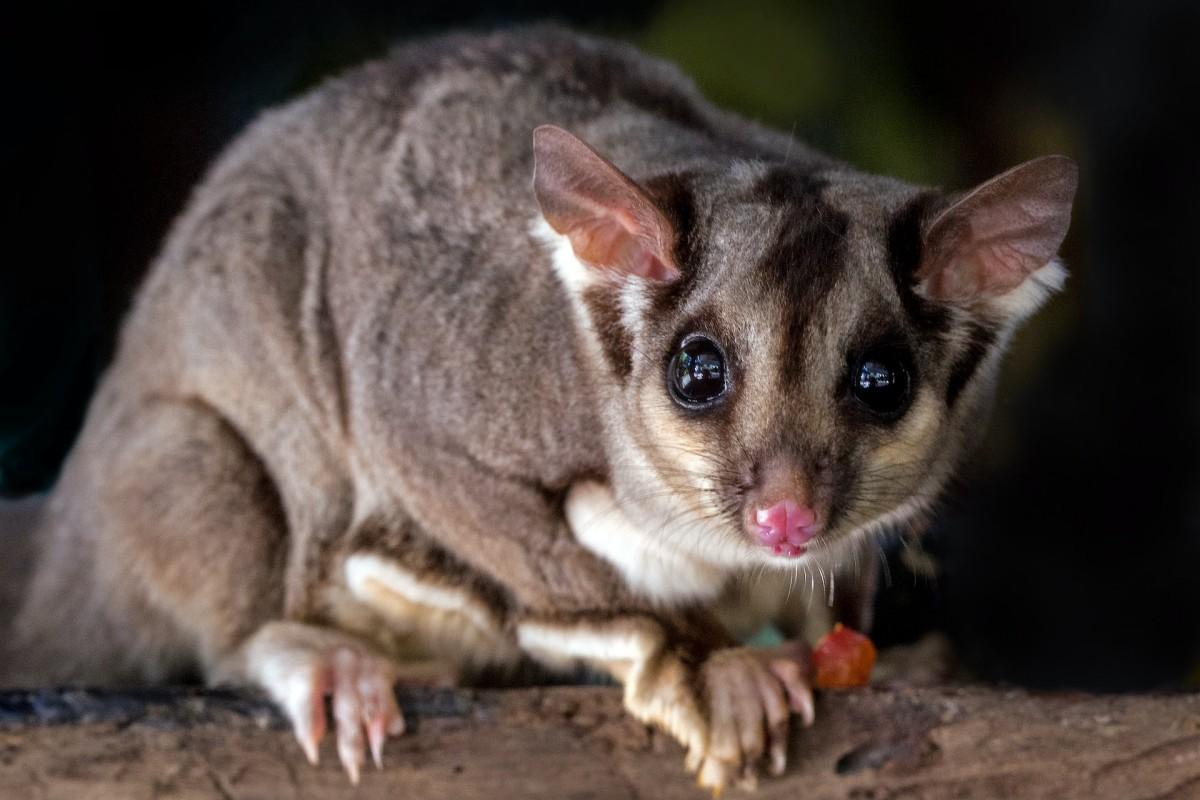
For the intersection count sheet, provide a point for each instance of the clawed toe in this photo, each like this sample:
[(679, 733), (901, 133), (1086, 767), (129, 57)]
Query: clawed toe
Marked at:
[(364, 708), (750, 697), (301, 673)]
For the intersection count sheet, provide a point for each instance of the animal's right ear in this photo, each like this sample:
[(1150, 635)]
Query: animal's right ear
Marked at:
[(612, 224), (985, 250)]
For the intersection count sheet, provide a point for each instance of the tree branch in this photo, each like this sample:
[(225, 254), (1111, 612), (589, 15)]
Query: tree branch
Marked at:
[(577, 742)]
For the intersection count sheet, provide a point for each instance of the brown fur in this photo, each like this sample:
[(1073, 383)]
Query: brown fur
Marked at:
[(352, 342)]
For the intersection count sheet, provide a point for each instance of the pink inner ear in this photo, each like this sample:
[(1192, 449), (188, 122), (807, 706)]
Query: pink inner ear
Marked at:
[(607, 244), (654, 269), (611, 222), (988, 243)]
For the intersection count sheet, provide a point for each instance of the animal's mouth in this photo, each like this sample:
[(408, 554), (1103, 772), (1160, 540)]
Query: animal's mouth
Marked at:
[(785, 528)]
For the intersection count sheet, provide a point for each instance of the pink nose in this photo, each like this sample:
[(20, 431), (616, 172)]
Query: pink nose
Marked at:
[(786, 527)]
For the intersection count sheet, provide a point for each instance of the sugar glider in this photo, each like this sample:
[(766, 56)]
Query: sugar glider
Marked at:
[(512, 346)]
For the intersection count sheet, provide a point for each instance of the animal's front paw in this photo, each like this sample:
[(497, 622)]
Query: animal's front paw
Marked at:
[(749, 694), (301, 665), (732, 714)]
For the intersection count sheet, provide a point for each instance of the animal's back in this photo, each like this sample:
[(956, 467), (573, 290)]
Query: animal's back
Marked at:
[(405, 179), (404, 184)]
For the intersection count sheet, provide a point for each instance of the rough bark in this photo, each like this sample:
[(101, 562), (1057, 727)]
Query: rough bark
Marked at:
[(575, 742)]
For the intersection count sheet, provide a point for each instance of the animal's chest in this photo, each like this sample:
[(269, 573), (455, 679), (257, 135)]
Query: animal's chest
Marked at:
[(645, 558)]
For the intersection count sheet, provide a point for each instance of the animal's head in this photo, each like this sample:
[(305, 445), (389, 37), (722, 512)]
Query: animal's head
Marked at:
[(792, 357)]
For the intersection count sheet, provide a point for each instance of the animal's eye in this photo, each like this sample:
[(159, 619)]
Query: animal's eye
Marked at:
[(881, 381), (697, 376)]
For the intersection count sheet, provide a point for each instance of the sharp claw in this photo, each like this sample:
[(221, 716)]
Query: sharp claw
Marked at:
[(306, 710), (715, 788), (352, 760), (800, 700), (309, 746), (348, 713), (351, 755), (778, 758), (375, 737), (712, 774), (310, 749), (806, 710), (351, 767), (301, 668)]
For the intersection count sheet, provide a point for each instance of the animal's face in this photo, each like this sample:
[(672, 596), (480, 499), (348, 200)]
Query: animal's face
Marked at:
[(791, 364)]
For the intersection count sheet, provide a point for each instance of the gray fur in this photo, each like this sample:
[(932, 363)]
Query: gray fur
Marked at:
[(351, 328)]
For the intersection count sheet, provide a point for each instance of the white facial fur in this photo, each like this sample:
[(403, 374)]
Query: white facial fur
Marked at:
[(1021, 302)]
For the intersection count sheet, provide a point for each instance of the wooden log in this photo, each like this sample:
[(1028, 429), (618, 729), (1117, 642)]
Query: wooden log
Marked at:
[(576, 742)]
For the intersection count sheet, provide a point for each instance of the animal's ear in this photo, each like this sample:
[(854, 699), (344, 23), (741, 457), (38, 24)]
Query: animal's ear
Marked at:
[(990, 247), (610, 221)]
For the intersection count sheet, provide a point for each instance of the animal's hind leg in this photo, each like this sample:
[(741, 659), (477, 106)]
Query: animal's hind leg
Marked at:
[(389, 591), (167, 551), (299, 665), (162, 548)]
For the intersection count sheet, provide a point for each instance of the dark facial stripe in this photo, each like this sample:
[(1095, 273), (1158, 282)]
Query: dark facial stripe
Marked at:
[(787, 185), (808, 256), (904, 257), (674, 196), (604, 305), (979, 342)]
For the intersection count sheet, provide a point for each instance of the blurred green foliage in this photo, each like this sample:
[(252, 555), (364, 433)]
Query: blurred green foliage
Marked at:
[(788, 65)]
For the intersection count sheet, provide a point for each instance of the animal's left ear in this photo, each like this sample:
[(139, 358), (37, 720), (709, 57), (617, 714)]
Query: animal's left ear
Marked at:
[(989, 249), (612, 223)]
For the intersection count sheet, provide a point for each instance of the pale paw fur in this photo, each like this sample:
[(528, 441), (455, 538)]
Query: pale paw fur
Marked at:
[(733, 714), (300, 665)]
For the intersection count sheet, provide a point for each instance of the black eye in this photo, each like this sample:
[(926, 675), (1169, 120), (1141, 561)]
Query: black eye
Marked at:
[(880, 381), (696, 375)]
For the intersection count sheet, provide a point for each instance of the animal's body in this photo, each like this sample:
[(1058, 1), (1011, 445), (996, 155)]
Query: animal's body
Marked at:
[(387, 389)]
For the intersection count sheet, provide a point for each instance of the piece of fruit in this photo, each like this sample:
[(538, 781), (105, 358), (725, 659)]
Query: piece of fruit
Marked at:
[(843, 659)]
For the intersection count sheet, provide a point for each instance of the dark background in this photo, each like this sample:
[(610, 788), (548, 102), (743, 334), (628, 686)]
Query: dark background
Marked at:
[(1070, 553)]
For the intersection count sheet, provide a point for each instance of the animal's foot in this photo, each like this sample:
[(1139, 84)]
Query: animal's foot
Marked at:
[(301, 665), (749, 693), (732, 714)]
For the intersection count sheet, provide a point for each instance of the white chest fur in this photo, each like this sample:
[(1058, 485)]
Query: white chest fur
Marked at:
[(650, 566)]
